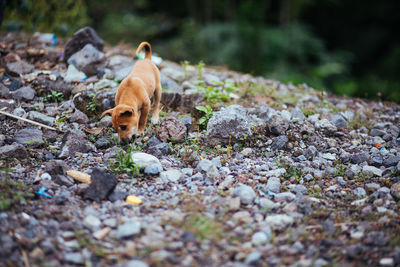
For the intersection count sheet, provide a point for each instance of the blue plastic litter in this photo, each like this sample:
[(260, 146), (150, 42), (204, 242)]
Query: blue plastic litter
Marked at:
[(54, 39), (41, 192), (84, 79)]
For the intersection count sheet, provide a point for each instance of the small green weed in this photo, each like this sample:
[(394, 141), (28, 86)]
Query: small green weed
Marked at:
[(94, 103), (13, 193), (217, 94), (203, 227), (200, 67), (208, 112), (124, 162), (185, 65), (54, 96), (291, 171)]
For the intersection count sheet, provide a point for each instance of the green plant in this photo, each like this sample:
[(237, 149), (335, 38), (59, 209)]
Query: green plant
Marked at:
[(93, 103), (208, 112), (203, 227), (291, 171), (54, 96), (13, 193), (200, 67), (185, 64), (124, 162)]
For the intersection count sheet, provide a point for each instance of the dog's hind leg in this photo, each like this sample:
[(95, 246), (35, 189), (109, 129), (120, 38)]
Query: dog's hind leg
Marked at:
[(156, 104), (143, 117)]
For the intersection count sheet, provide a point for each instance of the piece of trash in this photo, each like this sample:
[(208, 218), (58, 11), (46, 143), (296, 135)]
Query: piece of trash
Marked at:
[(47, 38), (41, 192), (79, 176), (141, 55), (133, 200), (378, 145)]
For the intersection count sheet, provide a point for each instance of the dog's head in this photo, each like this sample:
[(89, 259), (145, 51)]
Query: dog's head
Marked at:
[(124, 119)]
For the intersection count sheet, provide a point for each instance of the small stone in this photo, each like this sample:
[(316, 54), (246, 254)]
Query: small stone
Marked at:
[(171, 130), (101, 234), (159, 150), (339, 121), (297, 115), (279, 142), (19, 67), (253, 258), (395, 190), (79, 117), (377, 132), (171, 176), (359, 158), (247, 152), (285, 196), (29, 136), (376, 160), (117, 195), (74, 257), (128, 229), (391, 160), (386, 262), (204, 165), (88, 59), (25, 93), (373, 170), (359, 192), (278, 125), (135, 263), (73, 74), (17, 151), (279, 221), (91, 222), (274, 185), (245, 193), (325, 125), (72, 143), (259, 238), (42, 118), (142, 160), (80, 38), (153, 169)]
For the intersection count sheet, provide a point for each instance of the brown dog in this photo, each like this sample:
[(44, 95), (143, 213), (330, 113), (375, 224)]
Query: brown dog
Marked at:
[(132, 100)]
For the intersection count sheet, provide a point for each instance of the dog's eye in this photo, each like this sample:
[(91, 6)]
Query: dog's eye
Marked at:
[(123, 127)]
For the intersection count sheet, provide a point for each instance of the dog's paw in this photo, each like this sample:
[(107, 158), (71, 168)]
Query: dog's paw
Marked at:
[(154, 120)]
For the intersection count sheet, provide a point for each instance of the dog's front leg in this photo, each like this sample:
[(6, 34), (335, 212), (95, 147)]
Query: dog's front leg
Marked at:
[(143, 117)]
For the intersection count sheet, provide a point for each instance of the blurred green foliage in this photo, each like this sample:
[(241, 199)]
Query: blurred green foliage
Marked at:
[(348, 47)]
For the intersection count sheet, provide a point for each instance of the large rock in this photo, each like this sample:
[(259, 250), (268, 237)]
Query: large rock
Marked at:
[(182, 102), (29, 136), (72, 143), (80, 38), (172, 130), (88, 60), (170, 85), (228, 125), (102, 184), (18, 68), (17, 151)]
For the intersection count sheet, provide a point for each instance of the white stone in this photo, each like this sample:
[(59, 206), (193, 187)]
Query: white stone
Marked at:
[(279, 221), (372, 169), (329, 156), (171, 176), (142, 160)]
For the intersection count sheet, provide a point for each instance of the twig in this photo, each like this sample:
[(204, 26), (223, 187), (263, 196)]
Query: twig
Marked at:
[(26, 260), (26, 120)]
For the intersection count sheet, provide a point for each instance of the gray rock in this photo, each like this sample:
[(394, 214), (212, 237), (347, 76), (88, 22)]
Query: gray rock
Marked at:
[(117, 195), (42, 118), (73, 74), (359, 192), (285, 196), (103, 142), (172, 130), (204, 165), (253, 258), (4, 91), (310, 152), (297, 115), (72, 143), (23, 93), (153, 169), (279, 221), (267, 204), (259, 238), (55, 167), (19, 67), (299, 189), (391, 160), (395, 190), (122, 73), (279, 142), (19, 112), (142, 160), (173, 73), (79, 117), (376, 160), (135, 263), (170, 85), (92, 222), (159, 150), (373, 170), (128, 229), (74, 257), (326, 126), (278, 125), (274, 185), (88, 59), (398, 167), (377, 132), (171, 176), (104, 83), (339, 121), (29, 136), (359, 157), (228, 125), (17, 151), (80, 38), (245, 193)]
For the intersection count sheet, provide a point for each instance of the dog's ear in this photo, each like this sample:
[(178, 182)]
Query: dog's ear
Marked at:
[(126, 113), (107, 112)]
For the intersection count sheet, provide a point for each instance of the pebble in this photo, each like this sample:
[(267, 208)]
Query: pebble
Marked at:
[(142, 160), (171, 176), (91, 222), (372, 169), (279, 221), (153, 169), (128, 229), (245, 193), (259, 238)]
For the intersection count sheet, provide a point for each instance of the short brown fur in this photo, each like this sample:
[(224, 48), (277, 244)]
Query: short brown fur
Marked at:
[(132, 100)]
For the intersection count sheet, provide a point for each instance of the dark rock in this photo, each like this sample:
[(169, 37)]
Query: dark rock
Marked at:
[(279, 142), (4, 91), (277, 125), (79, 117), (188, 237), (187, 121), (29, 136), (162, 149), (359, 157), (18, 68), (310, 152), (172, 130), (184, 103), (153, 141), (170, 85), (103, 142), (354, 251), (228, 125), (62, 196), (339, 121), (72, 143), (117, 195), (63, 180), (14, 85), (101, 186), (391, 160), (17, 151), (88, 60), (376, 160), (376, 239), (23, 93), (55, 167), (42, 83), (80, 38), (377, 132)]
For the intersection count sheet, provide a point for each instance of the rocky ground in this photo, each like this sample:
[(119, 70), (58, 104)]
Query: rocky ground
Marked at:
[(263, 174)]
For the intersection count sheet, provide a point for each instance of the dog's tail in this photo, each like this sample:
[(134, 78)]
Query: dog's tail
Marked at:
[(147, 49)]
